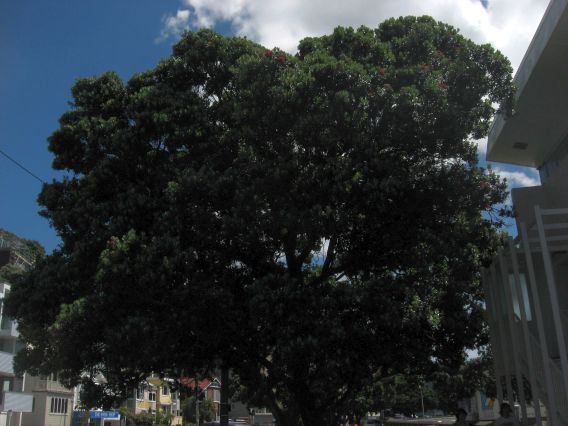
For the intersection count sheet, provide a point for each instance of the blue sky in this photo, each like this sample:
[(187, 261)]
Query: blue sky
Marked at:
[(46, 45)]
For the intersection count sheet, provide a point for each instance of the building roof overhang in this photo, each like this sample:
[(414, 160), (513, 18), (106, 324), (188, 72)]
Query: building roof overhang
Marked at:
[(540, 122)]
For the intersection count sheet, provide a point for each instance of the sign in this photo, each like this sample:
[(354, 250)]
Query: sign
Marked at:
[(105, 415), (486, 403)]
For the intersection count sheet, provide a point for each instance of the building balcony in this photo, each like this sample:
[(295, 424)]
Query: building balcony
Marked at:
[(165, 400), (38, 384), (8, 328)]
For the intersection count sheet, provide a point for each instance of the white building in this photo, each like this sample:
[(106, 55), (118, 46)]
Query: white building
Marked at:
[(9, 383), (527, 283), (27, 400)]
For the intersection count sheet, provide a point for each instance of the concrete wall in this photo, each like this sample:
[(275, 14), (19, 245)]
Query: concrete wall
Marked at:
[(37, 416)]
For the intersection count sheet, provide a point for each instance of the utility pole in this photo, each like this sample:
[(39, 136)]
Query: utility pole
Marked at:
[(421, 399), (197, 412), (196, 402)]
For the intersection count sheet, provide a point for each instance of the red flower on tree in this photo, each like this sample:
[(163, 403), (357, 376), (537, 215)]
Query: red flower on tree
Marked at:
[(281, 59), (268, 53)]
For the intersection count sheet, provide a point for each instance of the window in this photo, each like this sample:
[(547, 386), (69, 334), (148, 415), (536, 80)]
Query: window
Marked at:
[(59, 405), (5, 386), (53, 377), (6, 323), (152, 396), (216, 395), (165, 390), (140, 392), (525, 296)]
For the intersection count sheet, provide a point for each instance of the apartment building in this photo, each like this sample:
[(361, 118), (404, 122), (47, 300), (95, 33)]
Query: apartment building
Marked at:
[(526, 285), (9, 384), (28, 400), (52, 402), (156, 394)]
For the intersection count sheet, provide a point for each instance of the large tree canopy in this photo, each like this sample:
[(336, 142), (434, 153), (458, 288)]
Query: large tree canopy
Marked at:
[(310, 220)]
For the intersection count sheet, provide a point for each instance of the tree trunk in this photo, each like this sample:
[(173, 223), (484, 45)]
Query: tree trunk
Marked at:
[(224, 396)]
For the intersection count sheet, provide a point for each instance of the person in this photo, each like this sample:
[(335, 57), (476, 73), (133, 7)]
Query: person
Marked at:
[(461, 416), (506, 418)]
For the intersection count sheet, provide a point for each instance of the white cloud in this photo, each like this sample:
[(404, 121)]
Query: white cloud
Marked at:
[(174, 26), (507, 24), (519, 178)]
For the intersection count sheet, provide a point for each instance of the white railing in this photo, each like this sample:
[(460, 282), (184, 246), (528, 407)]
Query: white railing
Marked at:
[(557, 381), (546, 239)]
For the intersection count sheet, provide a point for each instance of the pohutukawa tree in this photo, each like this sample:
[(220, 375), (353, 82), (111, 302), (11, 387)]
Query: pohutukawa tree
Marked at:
[(312, 221)]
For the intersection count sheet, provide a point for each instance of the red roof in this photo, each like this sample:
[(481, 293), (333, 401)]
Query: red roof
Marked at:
[(190, 383)]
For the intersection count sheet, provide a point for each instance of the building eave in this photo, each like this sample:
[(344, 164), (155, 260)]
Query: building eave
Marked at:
[(538, 127)]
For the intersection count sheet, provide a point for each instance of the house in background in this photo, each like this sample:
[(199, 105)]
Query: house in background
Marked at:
[(52, 402), (155, 394), (210, 388), (526, 285), (238, 412)]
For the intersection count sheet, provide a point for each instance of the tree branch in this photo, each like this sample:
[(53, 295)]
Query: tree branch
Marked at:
[(330, 255), (290, 253)]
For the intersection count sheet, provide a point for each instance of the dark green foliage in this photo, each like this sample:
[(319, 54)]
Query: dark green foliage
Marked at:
[(146, 419), (203, 192), (441, 389), (32, 247), (30, 250), (9, 273), (405, 394), (206, 410), (475, 374)]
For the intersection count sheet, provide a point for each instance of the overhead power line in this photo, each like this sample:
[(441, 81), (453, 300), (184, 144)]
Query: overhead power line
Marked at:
[(21, 166)]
